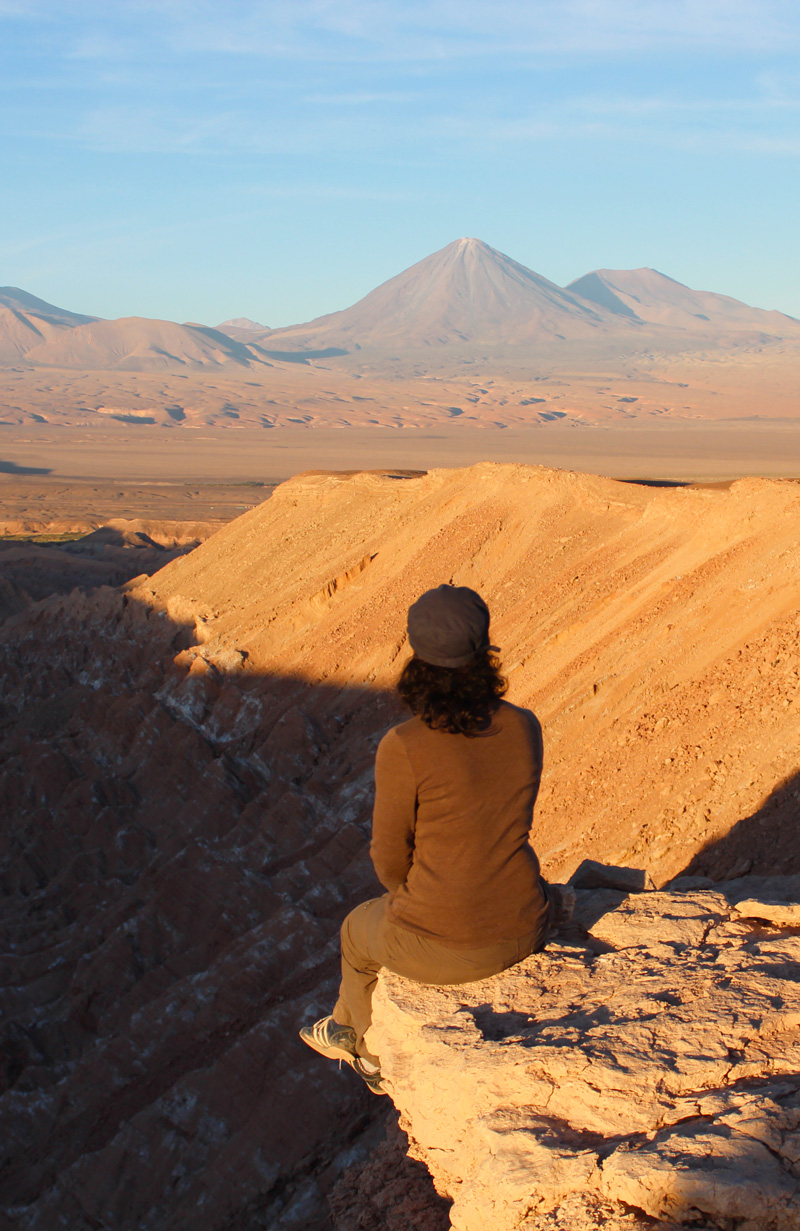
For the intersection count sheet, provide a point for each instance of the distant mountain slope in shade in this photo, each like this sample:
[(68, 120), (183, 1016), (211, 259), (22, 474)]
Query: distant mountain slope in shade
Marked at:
[(138, 344), (27, 322), (22, 301), (659, 300), (465, 293), (20, 332)]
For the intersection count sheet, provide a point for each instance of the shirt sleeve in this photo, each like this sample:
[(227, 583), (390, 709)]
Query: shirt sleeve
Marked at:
[(395, 813)]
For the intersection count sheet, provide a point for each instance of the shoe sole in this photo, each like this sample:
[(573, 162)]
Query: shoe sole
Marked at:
[(373, 1081), (331, 1052)]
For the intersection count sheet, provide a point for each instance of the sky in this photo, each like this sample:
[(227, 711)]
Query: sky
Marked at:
[(277, 159)]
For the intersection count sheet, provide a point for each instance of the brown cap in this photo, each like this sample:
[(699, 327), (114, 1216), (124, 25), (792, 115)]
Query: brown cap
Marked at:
[(448, 626)]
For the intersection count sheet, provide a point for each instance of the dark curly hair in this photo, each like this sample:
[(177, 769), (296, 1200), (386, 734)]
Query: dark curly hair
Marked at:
[(461, 700)]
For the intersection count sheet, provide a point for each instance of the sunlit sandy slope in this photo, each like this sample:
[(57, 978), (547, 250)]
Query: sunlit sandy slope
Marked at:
[(654, 631)]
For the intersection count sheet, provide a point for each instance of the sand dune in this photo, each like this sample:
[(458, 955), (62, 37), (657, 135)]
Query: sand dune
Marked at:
[(748, 384), (620, 611)]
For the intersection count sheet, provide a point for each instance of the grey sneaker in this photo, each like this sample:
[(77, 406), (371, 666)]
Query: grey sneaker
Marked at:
[(339, 1043), (330, 1039)]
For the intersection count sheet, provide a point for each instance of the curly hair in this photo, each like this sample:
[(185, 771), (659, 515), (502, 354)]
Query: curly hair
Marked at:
[(461, 700)]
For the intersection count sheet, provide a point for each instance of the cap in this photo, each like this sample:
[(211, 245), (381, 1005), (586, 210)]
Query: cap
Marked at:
[(448, 626)]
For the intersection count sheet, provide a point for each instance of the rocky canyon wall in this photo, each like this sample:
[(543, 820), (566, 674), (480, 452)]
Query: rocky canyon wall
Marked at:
[(178, 851)]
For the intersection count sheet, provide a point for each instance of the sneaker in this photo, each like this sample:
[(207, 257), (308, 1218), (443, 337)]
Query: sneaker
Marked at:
[(339, 1043), (330, 1039)]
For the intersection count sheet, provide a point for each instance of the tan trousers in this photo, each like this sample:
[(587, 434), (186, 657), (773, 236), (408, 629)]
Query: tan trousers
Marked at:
[(370, 941)]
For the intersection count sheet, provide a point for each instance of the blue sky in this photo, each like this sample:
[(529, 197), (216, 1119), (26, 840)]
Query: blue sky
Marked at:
[(196, 160)]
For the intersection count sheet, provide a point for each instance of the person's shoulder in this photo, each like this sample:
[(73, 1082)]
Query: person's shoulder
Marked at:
[(517, 715), (401, 732)]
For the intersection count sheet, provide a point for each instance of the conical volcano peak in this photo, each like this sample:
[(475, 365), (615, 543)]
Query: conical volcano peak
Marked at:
[(467, 292), (468, 247), (468, 242)]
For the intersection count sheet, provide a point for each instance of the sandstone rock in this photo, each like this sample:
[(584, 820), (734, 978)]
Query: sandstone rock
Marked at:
[(593, 875), (660, 919), (783, 914), (655, 1080)]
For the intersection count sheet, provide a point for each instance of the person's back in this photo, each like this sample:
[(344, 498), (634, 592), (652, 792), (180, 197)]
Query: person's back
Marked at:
[(465, 802)]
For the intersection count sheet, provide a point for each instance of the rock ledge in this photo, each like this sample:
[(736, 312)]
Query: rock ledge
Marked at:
[(645, 1066)]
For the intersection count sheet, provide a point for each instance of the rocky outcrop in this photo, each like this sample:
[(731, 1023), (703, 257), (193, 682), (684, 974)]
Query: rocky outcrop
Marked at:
[(645, 1066), (388, 1190)]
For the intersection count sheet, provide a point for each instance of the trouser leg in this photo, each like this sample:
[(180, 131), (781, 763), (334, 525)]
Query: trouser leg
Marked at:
[(361, 961), (370, 941)]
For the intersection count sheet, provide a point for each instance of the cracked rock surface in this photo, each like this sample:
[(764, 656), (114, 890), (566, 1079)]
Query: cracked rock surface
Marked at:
[(645, 1068)]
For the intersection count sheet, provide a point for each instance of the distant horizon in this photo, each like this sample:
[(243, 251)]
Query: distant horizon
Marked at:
[(278, 159)]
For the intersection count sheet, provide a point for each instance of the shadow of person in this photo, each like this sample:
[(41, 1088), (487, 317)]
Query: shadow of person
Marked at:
[(766, 843)]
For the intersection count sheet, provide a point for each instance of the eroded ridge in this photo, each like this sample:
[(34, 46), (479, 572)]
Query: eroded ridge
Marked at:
[(645, 1067)]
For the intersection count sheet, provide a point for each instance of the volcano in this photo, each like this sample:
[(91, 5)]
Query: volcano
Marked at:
[(465, 293)]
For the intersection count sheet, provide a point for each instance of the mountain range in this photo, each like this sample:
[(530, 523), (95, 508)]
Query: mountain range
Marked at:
[(464, 300)]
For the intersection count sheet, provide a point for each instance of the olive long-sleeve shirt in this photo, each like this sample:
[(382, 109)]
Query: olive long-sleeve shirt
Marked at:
[(450, 829)]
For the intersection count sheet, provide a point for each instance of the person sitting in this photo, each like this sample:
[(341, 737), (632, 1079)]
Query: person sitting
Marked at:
[(455, 787)]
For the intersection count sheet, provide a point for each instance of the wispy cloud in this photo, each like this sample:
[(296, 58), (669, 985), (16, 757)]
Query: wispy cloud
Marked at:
[(366, 98), (755, 124), (397, 30), (436, 29), (20, 8)]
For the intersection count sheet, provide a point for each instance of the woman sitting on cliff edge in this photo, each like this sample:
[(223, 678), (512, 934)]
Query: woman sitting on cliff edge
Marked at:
[(455, 788)]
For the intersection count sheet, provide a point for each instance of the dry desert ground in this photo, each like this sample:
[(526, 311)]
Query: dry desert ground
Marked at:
[(72, 477)]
